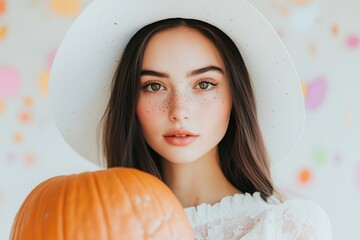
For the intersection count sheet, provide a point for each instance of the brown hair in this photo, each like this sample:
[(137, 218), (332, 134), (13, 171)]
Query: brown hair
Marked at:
[(243, 156)]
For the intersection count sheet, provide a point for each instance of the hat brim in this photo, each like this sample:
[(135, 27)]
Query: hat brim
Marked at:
[(88, 55)]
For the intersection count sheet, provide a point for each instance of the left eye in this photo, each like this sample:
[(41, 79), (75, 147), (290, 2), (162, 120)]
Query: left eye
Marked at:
[(153, 87), (205, 85)]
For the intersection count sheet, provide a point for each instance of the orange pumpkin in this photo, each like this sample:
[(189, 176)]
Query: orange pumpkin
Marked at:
[(117, 203)]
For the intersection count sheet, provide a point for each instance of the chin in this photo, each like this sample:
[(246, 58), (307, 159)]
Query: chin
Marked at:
[(181, 161), (180, 158)]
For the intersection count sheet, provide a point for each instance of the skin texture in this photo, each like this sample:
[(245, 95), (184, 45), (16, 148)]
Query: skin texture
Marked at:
[(174, 96)]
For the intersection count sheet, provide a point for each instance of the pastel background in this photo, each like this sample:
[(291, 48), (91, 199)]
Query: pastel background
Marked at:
[(323, 38)]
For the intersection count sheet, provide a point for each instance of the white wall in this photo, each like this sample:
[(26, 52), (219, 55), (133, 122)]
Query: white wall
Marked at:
[(322, 37)]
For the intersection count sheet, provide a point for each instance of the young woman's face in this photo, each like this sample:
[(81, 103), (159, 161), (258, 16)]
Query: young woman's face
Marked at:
[(185, 102)]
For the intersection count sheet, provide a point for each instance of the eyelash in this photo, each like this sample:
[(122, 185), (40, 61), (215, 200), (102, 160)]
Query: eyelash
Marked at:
[(148, 84)]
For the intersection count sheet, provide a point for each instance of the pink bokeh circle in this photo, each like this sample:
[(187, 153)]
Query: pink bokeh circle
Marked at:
[(9, 82), (316, 93), (353, 41)]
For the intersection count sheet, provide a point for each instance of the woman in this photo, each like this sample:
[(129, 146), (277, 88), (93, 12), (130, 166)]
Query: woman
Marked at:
[(182, 108), (194, 126)]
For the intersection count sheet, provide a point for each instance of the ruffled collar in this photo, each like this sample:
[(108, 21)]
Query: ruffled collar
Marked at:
[(228, 207)]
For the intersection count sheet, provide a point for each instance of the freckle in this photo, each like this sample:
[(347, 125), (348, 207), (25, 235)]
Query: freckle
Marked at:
[(214, 97)]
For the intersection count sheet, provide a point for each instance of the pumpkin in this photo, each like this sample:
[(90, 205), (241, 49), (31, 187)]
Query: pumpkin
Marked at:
[(117, 203)]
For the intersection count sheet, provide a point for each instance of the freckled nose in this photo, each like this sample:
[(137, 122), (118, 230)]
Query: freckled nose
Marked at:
[(178, 108)]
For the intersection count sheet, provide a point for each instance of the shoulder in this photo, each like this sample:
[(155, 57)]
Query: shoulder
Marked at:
[(302, 219), (230, 207)]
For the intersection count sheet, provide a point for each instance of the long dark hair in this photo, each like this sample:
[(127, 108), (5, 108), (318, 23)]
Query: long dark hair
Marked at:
[(243, 156)]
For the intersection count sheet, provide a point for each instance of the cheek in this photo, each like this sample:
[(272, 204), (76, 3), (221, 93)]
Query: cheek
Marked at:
[(216, 107), (149, 111)]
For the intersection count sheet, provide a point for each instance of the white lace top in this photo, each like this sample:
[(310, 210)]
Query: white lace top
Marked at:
[(246, 216)]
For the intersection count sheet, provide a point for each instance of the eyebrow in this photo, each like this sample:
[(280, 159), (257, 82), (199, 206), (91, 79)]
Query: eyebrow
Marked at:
[(190, 74)]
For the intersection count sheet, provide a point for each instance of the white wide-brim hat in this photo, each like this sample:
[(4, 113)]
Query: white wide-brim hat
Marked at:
[(90, 52)]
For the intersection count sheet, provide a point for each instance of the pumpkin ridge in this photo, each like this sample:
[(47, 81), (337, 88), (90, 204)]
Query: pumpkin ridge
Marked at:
[(64, 207), (41, 201), (158, 206), (60, 208), (35, 202), (121, 171), (42, 207), (99, 196), (141, 182), (169, 214)]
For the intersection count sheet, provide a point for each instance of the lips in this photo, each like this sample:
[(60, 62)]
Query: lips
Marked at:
[(179, 133), (180, 137)]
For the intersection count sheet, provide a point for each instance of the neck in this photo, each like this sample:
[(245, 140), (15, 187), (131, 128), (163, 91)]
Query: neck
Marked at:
[(200, 181)]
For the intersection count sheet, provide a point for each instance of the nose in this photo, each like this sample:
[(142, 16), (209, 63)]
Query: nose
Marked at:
[(179, 108)]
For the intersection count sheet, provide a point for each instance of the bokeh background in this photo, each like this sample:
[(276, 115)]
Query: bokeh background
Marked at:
[(323, 38)]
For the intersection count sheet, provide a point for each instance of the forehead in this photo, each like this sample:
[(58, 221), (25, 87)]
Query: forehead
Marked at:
[(182, 45)]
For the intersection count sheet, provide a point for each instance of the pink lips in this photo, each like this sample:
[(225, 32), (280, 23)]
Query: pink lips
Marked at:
[(180, 137)]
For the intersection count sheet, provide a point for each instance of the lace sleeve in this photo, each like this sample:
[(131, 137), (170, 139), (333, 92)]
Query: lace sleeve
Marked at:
[(249, 217), (304, 220)]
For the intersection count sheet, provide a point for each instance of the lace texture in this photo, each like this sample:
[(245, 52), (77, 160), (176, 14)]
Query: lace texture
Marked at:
[(246, 216)]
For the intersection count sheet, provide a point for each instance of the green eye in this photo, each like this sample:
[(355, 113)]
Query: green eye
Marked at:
[(153, 87), (205, 85)]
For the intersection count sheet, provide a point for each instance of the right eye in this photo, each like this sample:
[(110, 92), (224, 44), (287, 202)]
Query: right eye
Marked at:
[(153, 87)]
